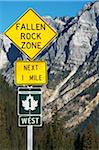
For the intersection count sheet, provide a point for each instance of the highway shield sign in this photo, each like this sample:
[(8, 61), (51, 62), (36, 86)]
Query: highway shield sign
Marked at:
[(29, 101)]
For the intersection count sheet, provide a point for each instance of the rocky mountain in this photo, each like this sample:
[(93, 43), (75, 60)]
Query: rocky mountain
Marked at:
[(73, 66)]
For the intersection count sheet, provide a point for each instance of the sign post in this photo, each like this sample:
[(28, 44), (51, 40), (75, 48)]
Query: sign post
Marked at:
[(29, 110), (31, 34), (29, 137)]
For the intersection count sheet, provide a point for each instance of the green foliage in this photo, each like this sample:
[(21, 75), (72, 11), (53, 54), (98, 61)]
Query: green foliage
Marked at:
[(90, 139), (11, 136), (53, 136)]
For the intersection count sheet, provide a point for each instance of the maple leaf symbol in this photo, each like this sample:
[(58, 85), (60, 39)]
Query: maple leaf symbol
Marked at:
[(29, 103)]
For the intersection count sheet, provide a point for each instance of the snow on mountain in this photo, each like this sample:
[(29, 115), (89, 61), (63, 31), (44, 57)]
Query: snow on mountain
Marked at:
[(5, 44)]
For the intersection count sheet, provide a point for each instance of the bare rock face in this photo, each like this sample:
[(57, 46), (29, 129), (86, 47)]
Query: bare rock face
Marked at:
[(75, 42), (85, 36)]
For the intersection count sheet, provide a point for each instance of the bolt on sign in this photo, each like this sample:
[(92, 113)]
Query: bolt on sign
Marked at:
[(29, 106), (31, 34), (30, 72)]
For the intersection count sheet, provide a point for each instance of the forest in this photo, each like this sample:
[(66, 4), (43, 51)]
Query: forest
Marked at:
[(51, 136)]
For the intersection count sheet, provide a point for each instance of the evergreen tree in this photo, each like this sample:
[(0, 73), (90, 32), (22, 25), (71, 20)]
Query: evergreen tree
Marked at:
[(52, 136), (11, 136), (89, 139), (77, 142), (69, 141)]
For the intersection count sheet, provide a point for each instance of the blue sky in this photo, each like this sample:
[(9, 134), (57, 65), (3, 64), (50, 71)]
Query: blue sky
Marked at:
[(11, 10)]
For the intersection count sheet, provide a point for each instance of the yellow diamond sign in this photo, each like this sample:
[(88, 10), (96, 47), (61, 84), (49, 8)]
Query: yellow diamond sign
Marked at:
[(31, 34)]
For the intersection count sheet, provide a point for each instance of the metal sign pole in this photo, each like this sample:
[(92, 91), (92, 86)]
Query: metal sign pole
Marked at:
[(29, 137)]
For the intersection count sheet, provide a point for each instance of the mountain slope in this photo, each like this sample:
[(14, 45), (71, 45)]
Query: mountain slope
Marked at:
[(73, 66)]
